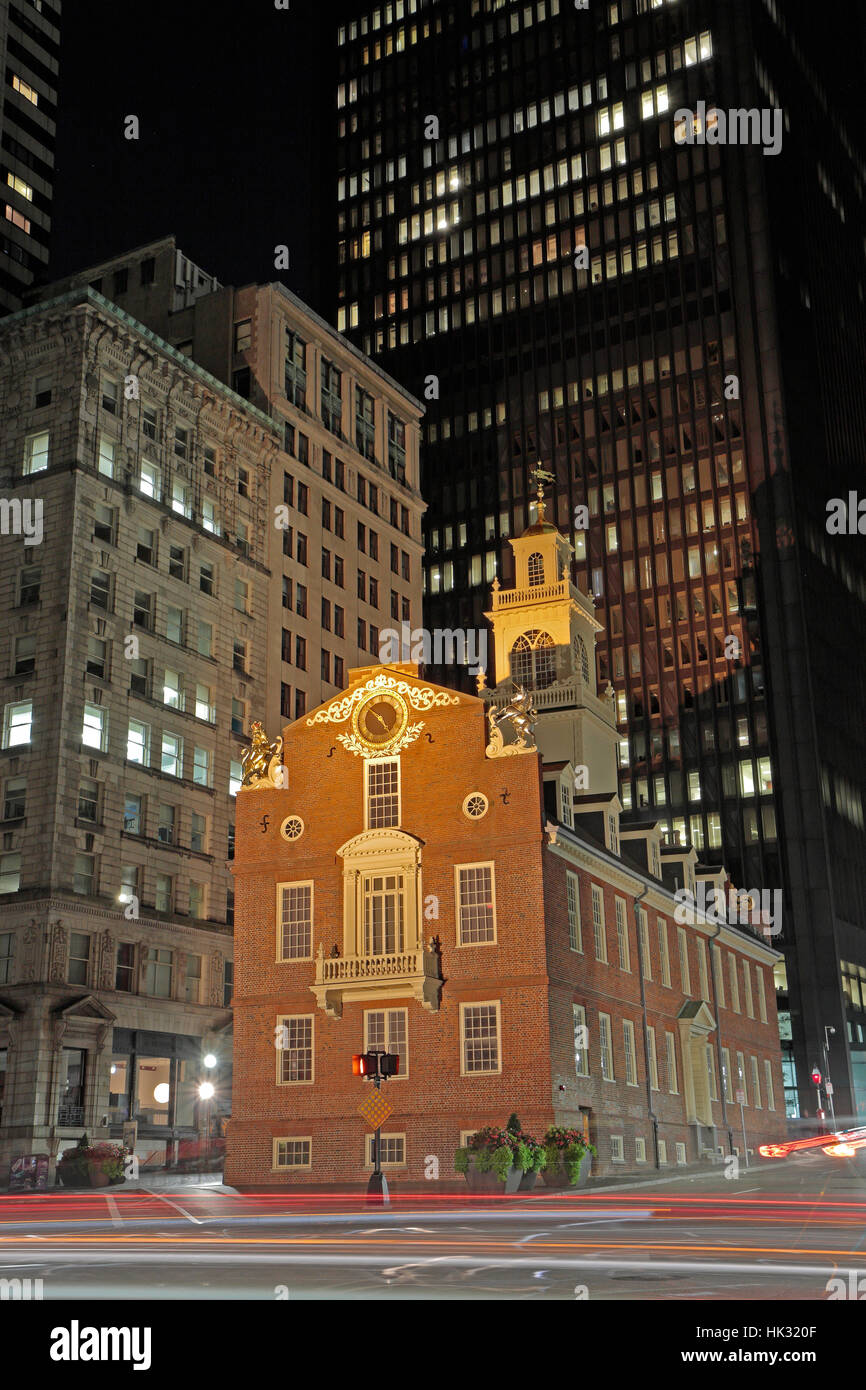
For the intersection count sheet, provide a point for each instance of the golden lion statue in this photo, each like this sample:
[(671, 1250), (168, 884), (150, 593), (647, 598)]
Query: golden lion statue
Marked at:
[(262, 762)]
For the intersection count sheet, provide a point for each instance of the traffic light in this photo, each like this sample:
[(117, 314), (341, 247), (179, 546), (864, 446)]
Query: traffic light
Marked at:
[(816, 1077), (375, 1064)]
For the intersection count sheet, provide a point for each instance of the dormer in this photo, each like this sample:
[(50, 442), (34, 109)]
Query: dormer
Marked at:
[(642, 845), (599, 817), (678, 866)]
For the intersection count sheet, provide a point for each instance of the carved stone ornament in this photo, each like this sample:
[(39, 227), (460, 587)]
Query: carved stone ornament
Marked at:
[(57, 955), (106, 961), (419, 697), (32, 952), (262, 762), (518, 718)]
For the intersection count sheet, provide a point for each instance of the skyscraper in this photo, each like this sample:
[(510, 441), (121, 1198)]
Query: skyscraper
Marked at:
[(627, 240), (30, 50)]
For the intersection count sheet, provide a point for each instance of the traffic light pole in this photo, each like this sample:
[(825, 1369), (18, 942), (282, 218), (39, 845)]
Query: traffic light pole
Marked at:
[(377, 1187)]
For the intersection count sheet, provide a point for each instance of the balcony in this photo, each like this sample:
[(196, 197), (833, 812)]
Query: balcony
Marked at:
[(349, 979)]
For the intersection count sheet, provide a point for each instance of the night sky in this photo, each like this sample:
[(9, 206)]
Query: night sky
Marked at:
[(235, 103)]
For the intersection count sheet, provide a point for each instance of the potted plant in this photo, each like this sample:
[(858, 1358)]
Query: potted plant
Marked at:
[(487, 1162), (569, 1157), (91, 1165), (531, 1158)]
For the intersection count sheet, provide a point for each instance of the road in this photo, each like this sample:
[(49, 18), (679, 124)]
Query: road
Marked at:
[(780, 1232)]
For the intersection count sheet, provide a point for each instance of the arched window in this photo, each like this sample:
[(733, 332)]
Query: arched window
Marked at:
[(533, 660), (536, 569), (581, 660)]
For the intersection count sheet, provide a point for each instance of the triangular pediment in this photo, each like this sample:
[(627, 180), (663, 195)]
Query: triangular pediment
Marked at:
[(88, 1007), (696, 1012)]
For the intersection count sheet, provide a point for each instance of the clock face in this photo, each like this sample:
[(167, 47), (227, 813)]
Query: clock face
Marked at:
[(382, 720)]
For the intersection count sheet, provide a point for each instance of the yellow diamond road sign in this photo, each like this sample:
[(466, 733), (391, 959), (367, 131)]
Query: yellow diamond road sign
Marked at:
[(375, 1109)]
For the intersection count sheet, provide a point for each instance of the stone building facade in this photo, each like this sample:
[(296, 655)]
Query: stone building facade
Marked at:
[(135, 515), (480, 905)]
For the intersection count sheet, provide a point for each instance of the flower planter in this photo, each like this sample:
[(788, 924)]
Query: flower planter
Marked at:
[(528, 1180), (99, 1177), (556, 1175), (513, 1180), (483, 1183)]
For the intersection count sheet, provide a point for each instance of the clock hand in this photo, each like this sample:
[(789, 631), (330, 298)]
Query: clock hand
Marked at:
[(381, 721)]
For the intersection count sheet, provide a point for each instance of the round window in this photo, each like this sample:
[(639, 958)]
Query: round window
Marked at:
[(292, 828), (475, 805)]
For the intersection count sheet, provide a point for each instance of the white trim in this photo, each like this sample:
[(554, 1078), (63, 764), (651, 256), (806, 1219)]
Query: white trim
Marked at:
[(617, 1142), (368, 1149), (469, 798), (291, 1167), (308, 1081), (379, 762), (475, 864), (292, 839), (404, 1060), (478, 1004), (293, 883)]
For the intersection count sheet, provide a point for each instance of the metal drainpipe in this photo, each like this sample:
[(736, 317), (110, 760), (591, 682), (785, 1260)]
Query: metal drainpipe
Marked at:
[(719, 1061), (646, 1050)]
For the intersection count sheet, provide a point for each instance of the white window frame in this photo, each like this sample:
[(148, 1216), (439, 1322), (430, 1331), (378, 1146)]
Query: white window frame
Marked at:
[(292, 1167), (578, 1014), (769, 1088), (31, 454), (639, 1149), (378, 762), (747, 983), (671, 1056), (605, 1048), (599, 932), (742, 1082), (756, 1083), (653, 1059), (388, 1044), (617, 1149), (9, 724), (734, 977), (89, 709), (281, 959), (685, 968), (479, 1004), (284, 1019), (572, 904), (385, 1163), (622, 943), (458, 903), (681, 1154), (629, 1052), (643, 943), (762, 994), (664, 952), (663, 1152), (727, 1079)]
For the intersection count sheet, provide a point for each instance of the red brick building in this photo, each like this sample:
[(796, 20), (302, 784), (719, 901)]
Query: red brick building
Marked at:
[(427, 883)]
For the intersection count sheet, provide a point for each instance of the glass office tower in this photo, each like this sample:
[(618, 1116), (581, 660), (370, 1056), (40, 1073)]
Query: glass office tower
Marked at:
[(627, 241)]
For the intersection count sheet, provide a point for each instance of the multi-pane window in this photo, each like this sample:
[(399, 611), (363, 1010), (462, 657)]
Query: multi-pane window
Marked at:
[(14, 798), (673, 1080), (94, 729), (105, 458), (733, 976), (79, 958), (572, 896), (365, 423), (17, 724), (598, 929), (29, 586), (201, 766), (664, 954), (158, 971), (295, 369), (702, 969), (383, 793), (100, 590), (629, 1052), (683, 944), (138, 743), (768, 1085), (388, 1029), (198, 833), (172, 693), (25, 655), (133, 814), (10, 872), (164, 898), (741, 1078), (392, 1150), (36, 452), (756, 1084), (296, 921), (747, 981), (331, 396), (727, 1079), (396, 448), (712, 1084), (383, 914), (149, 481), (192, 980), (84, 874), (88, 800), (292, 1153), (166, 824), (643, 943), (476, 903), (479, 1029), (605, 1047), (581, 1040), (172, 755), (295, 1054), (762, 998), (204, 641), (622, 935), (653, 1059), (197, 899), (124, 974)]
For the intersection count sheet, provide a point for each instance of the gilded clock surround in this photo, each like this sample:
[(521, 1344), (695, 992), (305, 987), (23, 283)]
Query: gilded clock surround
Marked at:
[(380, 721)]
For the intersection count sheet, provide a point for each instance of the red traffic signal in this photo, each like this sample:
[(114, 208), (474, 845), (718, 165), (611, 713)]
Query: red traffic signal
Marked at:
[(375, 1064), (816, 1077)]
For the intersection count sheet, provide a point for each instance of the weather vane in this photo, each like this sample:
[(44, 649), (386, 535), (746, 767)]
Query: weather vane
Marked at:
[(541, 476)]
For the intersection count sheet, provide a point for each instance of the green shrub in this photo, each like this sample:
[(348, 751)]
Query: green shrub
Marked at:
[(461, 1161)]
